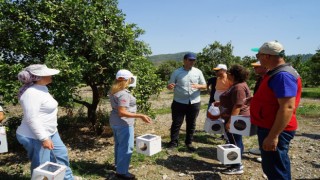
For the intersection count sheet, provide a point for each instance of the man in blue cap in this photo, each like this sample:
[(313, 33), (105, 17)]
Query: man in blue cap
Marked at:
[(186, 81)]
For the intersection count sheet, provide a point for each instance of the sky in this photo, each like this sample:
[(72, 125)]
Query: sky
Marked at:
[(173, 26)]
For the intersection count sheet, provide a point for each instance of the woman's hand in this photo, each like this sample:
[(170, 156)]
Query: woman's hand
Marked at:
[(217, 103), (146, 119), (247, 101), (228, 125), (48, 144)]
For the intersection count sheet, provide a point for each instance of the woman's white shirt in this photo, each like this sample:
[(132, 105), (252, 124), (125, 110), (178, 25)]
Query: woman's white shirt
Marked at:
[(39, 113)]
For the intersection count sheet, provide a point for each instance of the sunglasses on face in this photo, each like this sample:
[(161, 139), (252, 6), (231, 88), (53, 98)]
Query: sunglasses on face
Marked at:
[(259, 54)]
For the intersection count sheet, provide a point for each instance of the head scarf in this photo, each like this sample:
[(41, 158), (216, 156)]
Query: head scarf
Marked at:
[(27, 79)]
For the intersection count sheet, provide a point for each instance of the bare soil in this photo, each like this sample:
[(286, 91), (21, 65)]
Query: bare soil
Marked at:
[(91, 156)]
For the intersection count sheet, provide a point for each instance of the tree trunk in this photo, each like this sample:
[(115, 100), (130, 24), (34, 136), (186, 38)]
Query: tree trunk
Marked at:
[(92, 109)]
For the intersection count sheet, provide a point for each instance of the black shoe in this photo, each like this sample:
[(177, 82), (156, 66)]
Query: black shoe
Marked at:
[(126, 176), (191, 148), (233, 170), (172, 145), (221, 137)]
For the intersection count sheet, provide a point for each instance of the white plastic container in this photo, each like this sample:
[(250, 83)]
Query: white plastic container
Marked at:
[(49, 170), (228, 154), (214, 127), (213, 112), (3, 140), (148, 144), (241, 125)]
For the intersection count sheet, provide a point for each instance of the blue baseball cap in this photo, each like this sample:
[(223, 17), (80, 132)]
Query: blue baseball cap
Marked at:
[(190, 56)]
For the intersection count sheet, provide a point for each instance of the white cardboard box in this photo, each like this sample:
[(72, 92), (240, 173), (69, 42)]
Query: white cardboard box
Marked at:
[(148, 144), (49, 170), (214, 127), (241, 125), (228, 154), (3, 140)]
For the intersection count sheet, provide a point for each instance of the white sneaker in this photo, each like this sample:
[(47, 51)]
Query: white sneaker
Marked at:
[(259, 159)]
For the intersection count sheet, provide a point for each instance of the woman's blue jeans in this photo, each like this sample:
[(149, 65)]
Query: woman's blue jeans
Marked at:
[(123, 147), (38, 155), (236, 139), (276, 164)]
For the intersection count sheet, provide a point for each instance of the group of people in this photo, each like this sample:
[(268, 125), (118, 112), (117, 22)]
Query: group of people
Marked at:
[(272, 109)]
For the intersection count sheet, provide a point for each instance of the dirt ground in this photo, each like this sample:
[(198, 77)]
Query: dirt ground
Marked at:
[(92, 156)]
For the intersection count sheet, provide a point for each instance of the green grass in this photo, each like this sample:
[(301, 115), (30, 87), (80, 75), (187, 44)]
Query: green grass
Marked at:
[(311, 92), (162, 111), (138, 159), (309, 110)]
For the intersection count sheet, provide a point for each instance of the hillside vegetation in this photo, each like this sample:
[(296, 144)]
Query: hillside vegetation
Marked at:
[(158, 59)]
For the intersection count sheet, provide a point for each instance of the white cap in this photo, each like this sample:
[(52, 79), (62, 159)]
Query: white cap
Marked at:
[(41, 70), (125, 74), (220, 66), (272, 48)]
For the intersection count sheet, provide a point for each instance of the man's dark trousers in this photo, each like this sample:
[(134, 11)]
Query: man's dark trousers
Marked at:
[(180, 111)]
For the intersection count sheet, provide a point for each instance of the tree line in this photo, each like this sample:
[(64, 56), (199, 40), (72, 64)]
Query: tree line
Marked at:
[(216, 53)]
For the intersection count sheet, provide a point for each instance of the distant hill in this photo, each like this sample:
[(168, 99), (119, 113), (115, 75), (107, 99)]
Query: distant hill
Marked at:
[(158, 59), (304, 57)]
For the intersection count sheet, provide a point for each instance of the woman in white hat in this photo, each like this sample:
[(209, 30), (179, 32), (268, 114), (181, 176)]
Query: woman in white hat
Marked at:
[(38, 131), (122, 118)]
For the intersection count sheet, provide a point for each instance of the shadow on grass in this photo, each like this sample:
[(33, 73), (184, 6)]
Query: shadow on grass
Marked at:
[(205, 138), (315, 165), (75, 138), (19, 157), (311, 136), (6, 176), (207, 152), (86, 168), (190, 166)]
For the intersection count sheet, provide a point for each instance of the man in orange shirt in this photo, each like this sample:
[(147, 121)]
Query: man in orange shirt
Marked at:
[(2, 116)]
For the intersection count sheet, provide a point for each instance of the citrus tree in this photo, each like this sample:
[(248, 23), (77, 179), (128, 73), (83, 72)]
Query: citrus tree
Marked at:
[(88, 41), (215, 54)]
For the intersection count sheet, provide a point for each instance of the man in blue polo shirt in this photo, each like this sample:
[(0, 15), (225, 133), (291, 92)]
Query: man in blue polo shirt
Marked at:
[(186, 82)]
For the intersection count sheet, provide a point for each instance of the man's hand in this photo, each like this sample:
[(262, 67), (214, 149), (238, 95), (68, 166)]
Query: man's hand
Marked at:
[(198, 86), (270, 144), (171, 86)]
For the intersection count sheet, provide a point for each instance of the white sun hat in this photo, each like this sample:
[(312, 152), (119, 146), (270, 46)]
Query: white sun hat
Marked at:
[(220, 66), (124, 74), (41, 70)]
